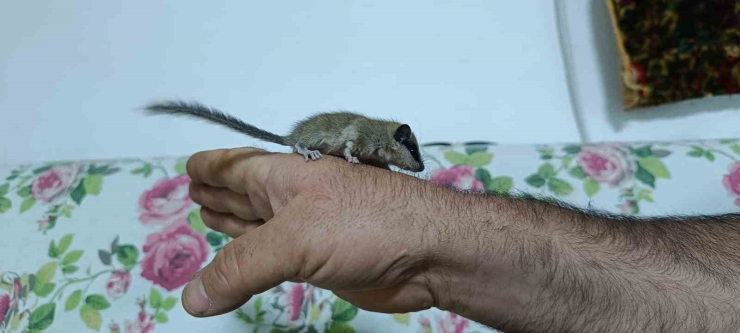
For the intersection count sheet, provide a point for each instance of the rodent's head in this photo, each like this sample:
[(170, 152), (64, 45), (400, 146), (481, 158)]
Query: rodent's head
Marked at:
[(405, 151)]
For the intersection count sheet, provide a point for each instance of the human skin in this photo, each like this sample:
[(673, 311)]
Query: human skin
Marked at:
[(389, 242)]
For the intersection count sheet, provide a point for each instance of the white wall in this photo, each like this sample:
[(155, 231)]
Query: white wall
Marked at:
[(72, 73)]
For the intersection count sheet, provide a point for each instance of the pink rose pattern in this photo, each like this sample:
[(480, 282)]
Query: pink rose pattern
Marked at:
[(425, 325), (445, 323), (452, 323), (9, 302), (173, 255), (165, 201), (170, 255), (44, 223), (118, 284), (459, 176), (628, 207), (144, 323), (4, 307), (607, 164), (731, 181), (295, 301), (56, 182)]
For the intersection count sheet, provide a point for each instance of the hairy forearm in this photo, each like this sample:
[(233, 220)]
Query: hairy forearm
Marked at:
[(527, 265), (524, 265)]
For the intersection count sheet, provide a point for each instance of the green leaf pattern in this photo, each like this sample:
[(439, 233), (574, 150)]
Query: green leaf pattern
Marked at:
[(73, 300), (58, 286), (594, 172), (70, 183), (469, 171), (614, 167), (42, 317), (91, 317)]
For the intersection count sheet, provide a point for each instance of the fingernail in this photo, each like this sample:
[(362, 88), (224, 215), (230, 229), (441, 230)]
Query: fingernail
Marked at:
[(195, 300)]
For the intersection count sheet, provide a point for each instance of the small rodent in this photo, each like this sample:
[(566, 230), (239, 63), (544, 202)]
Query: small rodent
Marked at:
[(355, 137)]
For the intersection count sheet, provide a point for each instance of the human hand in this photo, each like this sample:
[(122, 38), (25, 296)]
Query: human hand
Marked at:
[(388, 242), (352, 229)]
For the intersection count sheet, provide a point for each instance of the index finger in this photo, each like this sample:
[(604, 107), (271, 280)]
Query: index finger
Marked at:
[(231, 168)]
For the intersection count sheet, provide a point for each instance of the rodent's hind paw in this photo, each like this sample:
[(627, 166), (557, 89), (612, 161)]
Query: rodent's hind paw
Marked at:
[(353, 160), (308, 154)]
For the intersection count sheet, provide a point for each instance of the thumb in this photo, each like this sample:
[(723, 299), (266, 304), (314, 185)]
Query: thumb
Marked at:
[(251, 264)]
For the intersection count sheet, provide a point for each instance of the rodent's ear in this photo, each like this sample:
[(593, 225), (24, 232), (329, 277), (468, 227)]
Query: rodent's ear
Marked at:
[(403, 133)]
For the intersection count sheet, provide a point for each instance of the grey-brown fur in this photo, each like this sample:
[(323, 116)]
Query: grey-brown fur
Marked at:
[(357, 138)]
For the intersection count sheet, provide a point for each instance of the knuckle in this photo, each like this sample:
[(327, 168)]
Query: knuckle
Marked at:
[(222, 160), (230, 153)]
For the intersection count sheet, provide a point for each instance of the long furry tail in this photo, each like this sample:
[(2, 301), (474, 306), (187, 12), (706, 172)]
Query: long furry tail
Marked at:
[(197, 110)]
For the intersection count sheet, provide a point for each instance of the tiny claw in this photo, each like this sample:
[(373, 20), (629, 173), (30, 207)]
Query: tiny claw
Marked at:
[(315, 154), (307, 154)]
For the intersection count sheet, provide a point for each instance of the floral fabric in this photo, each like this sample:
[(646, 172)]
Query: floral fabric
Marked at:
[(107, 246), (652, 178), (677, 50)]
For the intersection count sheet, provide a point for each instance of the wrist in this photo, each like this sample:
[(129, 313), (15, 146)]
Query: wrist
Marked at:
[(477, 270)]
